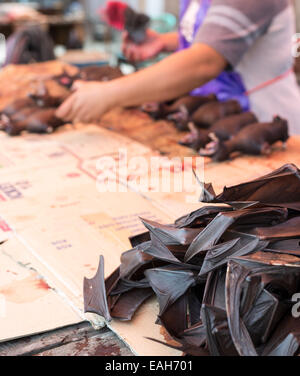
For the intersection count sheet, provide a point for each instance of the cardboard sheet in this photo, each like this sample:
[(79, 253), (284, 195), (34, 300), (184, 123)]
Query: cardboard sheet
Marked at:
[(52, 210), (58, 223), (28, 305)]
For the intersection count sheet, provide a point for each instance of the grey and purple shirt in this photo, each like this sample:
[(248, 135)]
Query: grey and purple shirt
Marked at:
[(255, 37)]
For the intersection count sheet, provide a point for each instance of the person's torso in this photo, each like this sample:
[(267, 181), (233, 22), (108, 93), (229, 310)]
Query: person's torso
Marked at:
[(268, 58)]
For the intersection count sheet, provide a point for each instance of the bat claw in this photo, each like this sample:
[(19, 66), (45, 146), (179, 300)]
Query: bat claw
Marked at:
[(192, 127), (266, 149), (209, 150), (213, 137)]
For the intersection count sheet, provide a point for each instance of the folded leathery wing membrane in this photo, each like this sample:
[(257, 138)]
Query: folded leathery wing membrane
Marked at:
[(279, 187), (95, 294), (225, 276)]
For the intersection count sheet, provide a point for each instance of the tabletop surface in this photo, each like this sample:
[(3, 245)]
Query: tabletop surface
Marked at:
[(161, 137)]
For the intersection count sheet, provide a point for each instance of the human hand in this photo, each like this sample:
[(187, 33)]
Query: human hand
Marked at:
[(153, 45), (87, 104)]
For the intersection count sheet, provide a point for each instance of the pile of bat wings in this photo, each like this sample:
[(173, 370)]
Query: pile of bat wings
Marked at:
[(218, 129), (36, 112), (226, 277)]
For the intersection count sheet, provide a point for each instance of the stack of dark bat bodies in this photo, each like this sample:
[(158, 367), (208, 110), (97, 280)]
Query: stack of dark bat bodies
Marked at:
[(226, 276), (36, 112), (218, 129)]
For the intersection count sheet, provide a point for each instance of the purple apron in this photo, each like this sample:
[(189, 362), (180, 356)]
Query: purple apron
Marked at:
[(229, 85)]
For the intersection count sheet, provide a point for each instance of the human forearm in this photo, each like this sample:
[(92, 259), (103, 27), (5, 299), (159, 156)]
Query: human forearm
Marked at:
[(170, 41), (171, 78)]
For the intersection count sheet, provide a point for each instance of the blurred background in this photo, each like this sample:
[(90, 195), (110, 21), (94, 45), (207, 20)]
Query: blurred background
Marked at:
[(76, 29), (76, 24)]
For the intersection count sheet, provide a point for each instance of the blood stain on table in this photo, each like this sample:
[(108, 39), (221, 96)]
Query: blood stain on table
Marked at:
[(25, 290)]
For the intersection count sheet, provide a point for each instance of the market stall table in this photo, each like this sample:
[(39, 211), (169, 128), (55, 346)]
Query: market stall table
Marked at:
[(56, 224)]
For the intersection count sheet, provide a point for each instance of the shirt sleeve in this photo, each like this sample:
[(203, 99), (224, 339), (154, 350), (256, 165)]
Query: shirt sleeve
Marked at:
[(232, 26)]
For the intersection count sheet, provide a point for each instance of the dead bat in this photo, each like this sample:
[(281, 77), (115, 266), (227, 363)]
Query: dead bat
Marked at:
[(39, 121), (163, 283), (181, 111), (214, 231), (13, 124), (255, 139), (285, 180), (136, 25), (215, 318), (122, 17), (176, 112), (285, 340), (17, 106), (210, 113), (223, 276), (266, 308), (191, 103), (223, 129), (42, 97), (43, 121), (171, 235), (18, 116), (200, 217), (95, 300)]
